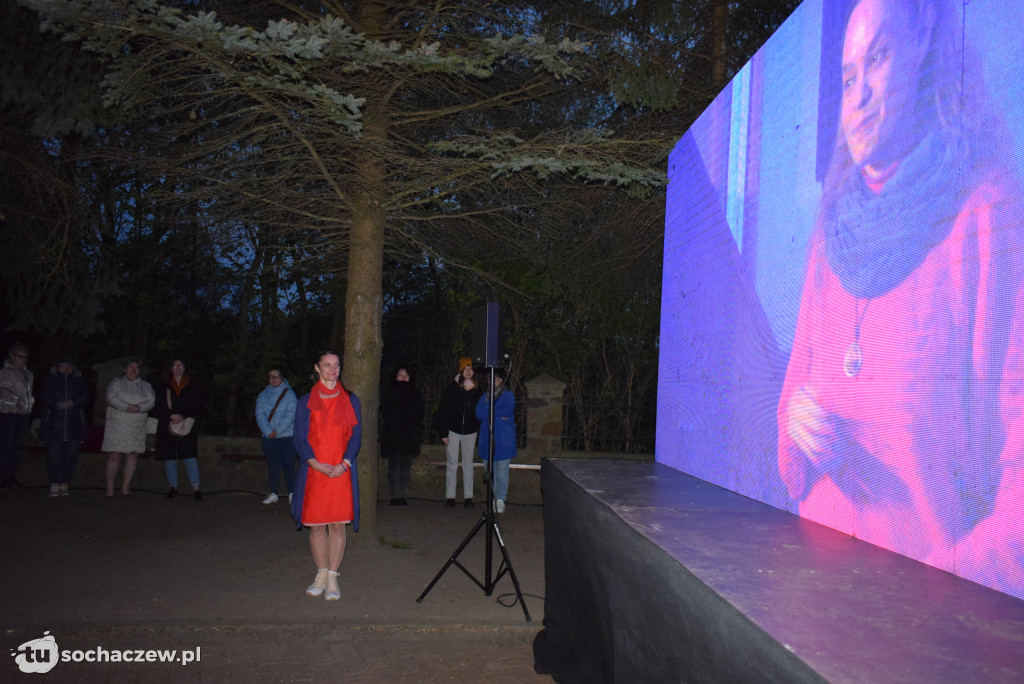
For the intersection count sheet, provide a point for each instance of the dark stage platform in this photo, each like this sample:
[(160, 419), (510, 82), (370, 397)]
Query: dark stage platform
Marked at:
[(656, 576)]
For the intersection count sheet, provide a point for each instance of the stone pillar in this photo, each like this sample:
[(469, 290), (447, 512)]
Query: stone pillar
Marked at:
[(543, 417)]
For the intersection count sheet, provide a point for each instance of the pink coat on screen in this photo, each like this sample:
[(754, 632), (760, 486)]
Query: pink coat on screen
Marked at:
[(930, 461)]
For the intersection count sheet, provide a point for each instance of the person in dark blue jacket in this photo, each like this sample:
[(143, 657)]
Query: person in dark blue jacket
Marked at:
[(63, 423), (504, 434)]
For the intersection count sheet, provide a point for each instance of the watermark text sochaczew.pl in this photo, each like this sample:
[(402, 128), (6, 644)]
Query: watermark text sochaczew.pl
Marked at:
[(39, 656)]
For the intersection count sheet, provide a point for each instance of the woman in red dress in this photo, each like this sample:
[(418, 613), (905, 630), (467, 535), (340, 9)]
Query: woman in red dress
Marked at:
[(327, 436)]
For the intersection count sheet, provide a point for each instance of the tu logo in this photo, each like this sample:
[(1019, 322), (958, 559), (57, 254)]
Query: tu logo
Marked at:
[(37, 656)]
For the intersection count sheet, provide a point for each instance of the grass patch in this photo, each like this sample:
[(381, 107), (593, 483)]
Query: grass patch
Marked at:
[(384, 541)]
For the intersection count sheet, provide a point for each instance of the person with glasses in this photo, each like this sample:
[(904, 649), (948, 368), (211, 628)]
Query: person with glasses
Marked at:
[(275, 414), (16, 402)]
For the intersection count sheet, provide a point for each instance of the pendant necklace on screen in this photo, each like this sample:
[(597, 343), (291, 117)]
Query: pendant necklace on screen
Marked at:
[(854, 358)]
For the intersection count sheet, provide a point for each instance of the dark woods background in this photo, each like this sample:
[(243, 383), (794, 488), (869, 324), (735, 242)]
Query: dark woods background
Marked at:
[(182, 221)]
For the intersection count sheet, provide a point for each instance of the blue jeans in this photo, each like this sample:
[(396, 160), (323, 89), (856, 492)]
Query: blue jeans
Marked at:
[(61, 459), (13, 427), (280, 452), (500, 479), (191, 467)]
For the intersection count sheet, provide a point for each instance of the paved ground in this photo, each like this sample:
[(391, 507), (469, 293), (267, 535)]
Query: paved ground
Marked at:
[(227, 576)]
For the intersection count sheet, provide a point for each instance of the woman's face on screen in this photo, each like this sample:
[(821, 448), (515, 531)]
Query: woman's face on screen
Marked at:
[(882, 55)]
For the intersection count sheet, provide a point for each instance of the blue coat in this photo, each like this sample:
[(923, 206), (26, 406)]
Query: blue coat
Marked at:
[(284, 415), (504, 426), (301, 438)]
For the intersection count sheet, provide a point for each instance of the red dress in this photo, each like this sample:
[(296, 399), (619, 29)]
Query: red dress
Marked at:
[(327, 499)]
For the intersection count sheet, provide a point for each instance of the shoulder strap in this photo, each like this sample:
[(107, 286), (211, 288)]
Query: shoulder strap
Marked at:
[(277, 403)]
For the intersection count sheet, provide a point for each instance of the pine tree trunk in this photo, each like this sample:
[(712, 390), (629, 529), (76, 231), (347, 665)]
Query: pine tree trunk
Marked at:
[(719, 42), (363, 308), (364, 295)]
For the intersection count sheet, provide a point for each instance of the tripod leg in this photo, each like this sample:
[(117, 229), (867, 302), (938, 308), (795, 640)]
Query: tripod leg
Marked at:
[(511, 571), (452, 559)]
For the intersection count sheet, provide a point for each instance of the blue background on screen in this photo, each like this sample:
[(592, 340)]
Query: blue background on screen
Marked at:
[(738, 226)]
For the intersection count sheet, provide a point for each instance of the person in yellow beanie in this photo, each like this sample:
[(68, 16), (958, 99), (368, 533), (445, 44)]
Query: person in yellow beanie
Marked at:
[(458, 425)]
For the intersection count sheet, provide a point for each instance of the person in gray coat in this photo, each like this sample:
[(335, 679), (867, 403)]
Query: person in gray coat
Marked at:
[(16, 402)]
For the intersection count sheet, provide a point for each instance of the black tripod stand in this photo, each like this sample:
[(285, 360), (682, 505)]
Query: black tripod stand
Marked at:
[(488, 521)]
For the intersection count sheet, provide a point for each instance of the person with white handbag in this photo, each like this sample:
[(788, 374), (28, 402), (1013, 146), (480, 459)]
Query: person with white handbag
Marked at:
[(178, 405)]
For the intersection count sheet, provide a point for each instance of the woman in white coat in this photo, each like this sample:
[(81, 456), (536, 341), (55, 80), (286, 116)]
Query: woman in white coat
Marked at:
[(129, 399)]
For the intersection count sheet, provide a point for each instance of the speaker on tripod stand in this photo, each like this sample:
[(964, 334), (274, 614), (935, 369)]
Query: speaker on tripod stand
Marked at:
[(488, 336), (488, 350)]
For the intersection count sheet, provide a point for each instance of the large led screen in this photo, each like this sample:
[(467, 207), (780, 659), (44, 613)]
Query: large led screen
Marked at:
[(842, 325)]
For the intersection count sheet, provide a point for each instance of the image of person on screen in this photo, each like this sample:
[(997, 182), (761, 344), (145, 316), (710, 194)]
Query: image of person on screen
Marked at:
[(902, 393)]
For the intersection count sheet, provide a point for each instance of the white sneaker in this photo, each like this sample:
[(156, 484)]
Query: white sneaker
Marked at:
[(318, 585), (63, 490), (289, 499), (55, 490), (333, 591), (500, 507), (271, 498)]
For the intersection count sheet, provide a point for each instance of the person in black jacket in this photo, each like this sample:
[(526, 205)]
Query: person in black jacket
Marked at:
[(63, 423), (458, 426), (401, 413), (179, 403)]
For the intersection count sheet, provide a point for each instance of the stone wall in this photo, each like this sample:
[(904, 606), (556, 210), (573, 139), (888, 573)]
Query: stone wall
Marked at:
[(544, 395)]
